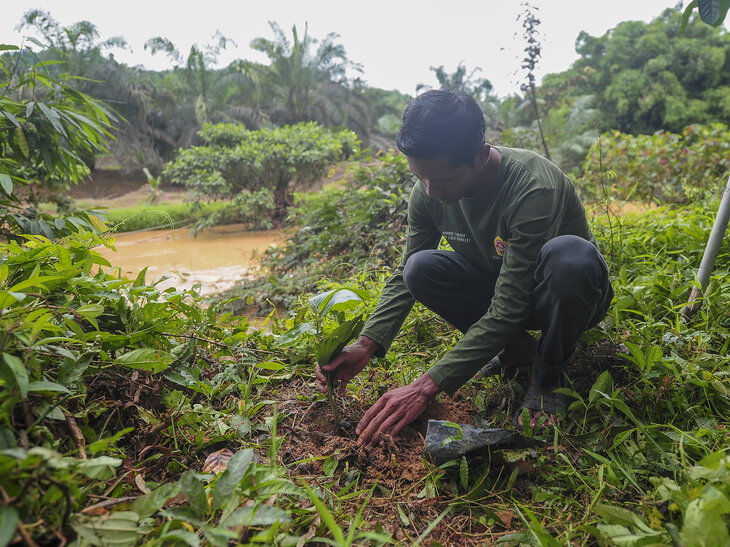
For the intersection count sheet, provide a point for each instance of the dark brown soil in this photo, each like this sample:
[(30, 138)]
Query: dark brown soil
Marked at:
[(396, 472)]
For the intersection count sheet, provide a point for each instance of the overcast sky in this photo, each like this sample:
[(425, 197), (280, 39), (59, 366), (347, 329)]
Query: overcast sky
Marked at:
[(395, 41)]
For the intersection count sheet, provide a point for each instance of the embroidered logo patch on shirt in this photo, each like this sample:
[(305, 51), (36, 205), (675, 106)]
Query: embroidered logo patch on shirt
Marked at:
[(500, 245)]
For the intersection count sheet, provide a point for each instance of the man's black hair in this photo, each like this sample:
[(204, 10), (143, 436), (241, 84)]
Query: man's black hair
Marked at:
[(441, 122)]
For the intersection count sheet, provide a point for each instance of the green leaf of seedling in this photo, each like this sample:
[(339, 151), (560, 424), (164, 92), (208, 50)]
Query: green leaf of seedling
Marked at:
[(336, 299), (174, 537), (333, 342), (229, 479), (106, 443), (8, 47), (256, 515)]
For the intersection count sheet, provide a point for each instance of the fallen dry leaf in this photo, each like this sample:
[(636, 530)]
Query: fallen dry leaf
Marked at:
[(141, 484), (217, 461)]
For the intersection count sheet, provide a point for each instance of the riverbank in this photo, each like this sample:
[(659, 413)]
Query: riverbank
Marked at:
[(214, 259)]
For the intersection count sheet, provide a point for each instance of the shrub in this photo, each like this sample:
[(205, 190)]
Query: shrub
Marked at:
[(235, 160), (662, 166)]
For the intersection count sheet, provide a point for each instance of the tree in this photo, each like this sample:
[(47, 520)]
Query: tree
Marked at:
[(77, 45), (307, 80), (645, 77), (712, 12), (235, 161), (46, 128), (197, 67)]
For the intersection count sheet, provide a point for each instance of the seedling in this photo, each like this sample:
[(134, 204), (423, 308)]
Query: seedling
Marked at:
[(331, 343)]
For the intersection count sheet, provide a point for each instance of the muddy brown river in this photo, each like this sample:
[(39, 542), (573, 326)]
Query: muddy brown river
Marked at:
[(215, 259)]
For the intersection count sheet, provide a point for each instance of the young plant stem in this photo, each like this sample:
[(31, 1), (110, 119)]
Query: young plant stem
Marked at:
[(333, 401)]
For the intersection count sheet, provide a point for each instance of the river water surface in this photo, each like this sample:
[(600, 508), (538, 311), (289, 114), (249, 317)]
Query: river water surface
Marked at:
[(215, 259)]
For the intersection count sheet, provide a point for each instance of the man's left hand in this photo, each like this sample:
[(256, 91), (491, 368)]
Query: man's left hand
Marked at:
[(395, 410)]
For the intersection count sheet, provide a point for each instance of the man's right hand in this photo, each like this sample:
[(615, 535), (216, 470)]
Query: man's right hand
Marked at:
[(343, 368)]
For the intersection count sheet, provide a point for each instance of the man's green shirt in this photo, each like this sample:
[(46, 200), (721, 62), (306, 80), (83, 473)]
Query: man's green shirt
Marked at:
[(499, 229)]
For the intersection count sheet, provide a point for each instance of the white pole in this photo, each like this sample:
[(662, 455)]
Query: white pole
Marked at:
[(711, 251)]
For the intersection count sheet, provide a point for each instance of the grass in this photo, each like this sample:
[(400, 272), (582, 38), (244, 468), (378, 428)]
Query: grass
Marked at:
[(157, 216)]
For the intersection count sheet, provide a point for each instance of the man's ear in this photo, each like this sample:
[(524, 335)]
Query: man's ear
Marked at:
[(483, 156)]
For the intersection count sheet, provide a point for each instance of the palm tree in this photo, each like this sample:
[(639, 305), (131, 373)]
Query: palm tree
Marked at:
[(307, 80)]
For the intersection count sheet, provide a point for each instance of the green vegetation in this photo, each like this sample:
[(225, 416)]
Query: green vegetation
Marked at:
[(163, 215), (267, 163), (664, 167)]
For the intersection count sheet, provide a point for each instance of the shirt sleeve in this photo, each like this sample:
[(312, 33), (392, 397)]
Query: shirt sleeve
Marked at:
[(531, 224), (395, 301)]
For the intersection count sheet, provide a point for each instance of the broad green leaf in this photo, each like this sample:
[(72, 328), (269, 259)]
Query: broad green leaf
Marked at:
[(176, 536), (8, 523), (115, 529), (7, 440), (333, 342), (293, 334), (53, 117), (602, 385), (22, 143), (703, 520), (623, 517), (195, 492), (98, 223), (257, 515), (140, 281), (90, 312), (148, 359), (330, 466), (44, 385), (229, 479), (8, 297), (334, 299), (148, 504), (6, 183), (8, 47), (713, 12), (19, 373), (101, 467)]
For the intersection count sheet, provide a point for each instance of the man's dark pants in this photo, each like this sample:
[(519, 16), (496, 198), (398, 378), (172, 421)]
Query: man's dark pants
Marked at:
[(572, 294)]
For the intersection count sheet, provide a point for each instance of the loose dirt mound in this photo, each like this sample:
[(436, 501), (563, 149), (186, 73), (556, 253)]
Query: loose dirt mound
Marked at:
[(405, 498)]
